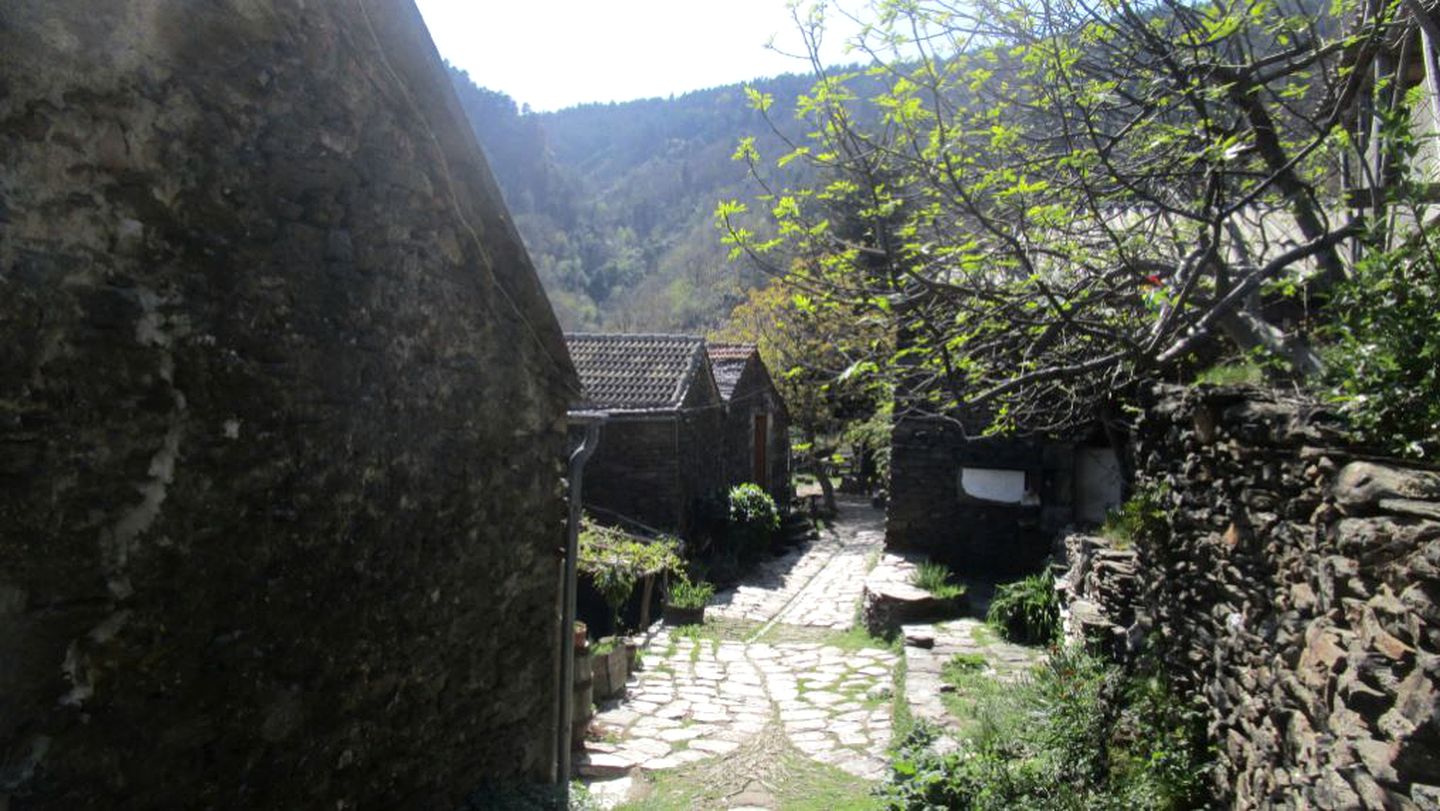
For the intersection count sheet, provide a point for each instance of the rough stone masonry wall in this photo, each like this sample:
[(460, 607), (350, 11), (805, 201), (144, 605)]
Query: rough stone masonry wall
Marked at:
[(925, 511), (281, 418), (1299, 593)]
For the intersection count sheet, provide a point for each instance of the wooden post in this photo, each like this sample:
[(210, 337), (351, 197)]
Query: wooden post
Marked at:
[(645, 593)]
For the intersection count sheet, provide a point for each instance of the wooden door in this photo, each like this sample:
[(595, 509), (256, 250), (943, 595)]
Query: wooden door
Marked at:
[(762, 436)]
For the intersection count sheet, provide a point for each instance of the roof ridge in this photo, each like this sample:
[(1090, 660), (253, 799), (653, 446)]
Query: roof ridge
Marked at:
[(666, 335)]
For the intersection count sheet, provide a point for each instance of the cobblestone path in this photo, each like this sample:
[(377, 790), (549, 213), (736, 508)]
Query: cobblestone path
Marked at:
[(817, 585), (1005, 661), (699, 698)]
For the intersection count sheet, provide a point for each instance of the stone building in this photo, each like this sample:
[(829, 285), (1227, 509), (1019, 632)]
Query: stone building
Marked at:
[(281, 418), (991, 506), (661, 450), (757, 426)]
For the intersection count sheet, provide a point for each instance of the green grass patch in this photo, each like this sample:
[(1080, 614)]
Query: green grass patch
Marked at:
[(1077, 733), (721, 629), (962, 663), (853, 639), (984, 635), (936, 579), (977, 701), (1026, 611), (902, 719), (1236, 373), (768, 766)]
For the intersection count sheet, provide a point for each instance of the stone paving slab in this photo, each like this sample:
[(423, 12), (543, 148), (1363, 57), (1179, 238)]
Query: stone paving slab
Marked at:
[(1006, 661), (698, 698), (817, 585), (822, 697)]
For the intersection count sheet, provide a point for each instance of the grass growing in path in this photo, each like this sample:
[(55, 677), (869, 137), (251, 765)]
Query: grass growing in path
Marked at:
[(852, 639), (767, 770), (935, 578), (715, 630)]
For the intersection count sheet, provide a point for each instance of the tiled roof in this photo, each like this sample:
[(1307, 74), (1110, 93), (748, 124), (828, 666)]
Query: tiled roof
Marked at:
[(635, 372), (727, 361)]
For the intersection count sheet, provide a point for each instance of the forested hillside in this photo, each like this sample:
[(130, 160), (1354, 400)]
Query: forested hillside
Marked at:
[(616, 201)]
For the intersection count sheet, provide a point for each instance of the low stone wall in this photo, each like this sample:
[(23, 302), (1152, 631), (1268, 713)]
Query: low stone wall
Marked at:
[(1100, 596), (889, 600), (1297, 593)]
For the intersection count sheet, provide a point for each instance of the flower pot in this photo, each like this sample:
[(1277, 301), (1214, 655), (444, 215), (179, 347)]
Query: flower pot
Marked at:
[(677, 615)]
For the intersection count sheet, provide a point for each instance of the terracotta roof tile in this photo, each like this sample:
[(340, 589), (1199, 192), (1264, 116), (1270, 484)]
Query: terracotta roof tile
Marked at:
[(635, 371), (727, 361)]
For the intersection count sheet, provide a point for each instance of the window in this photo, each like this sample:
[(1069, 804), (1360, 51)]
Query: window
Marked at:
[(993, 484)]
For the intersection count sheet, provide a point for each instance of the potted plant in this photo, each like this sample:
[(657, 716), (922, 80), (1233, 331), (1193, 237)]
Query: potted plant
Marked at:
[(610, 666), (686, 605)]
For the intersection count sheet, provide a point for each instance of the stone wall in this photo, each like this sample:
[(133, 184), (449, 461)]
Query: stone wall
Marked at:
[(1100, 596), (635, 472), (927, 513), (1296, 593), (281, 418), (755, 394), (701, 450)]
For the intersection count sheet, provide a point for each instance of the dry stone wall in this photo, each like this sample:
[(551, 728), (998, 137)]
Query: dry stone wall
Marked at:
[(281, 418), (1298, 592)]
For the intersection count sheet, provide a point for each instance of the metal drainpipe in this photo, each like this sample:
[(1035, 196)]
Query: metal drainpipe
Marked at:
[(592, 421)]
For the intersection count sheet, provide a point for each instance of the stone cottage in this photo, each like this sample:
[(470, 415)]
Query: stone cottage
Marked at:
[(281, 418), (992, 506), (757, 426), (661, 450)]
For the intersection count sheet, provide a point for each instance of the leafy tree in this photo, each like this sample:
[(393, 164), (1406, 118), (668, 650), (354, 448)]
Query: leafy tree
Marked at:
[(1051, 200), (1383, 354), (818, 353)]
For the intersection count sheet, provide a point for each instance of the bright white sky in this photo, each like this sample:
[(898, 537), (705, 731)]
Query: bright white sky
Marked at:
[(552, 54)]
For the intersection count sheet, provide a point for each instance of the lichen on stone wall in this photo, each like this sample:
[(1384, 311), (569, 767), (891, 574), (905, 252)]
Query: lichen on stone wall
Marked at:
[(281, 418)]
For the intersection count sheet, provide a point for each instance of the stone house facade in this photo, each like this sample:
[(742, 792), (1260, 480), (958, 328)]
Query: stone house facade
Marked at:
[(661, 449), (282, 419), (757, 425), (991, 506)]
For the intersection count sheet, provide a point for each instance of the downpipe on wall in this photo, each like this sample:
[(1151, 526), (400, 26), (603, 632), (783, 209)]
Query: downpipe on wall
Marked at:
[(591, 421)]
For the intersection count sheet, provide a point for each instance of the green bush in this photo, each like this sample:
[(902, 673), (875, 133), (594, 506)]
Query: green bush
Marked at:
[(754, 520), (1027, 610), (1142, 515), (935, 578), (1079, 734), (1382, 364), (614, 560)]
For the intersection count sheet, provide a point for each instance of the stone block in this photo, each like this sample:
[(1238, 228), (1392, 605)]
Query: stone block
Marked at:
[(1362, 486)]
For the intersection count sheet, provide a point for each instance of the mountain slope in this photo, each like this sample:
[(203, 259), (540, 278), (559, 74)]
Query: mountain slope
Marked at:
[(615, 201)]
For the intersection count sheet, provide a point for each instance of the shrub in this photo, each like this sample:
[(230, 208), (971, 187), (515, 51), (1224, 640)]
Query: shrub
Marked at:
[(1142, 515), (1383, 361), (1078, 734), (685, 594), (1027, 610), (935, 578), (614, 560), (615, 582), (754, 519)]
